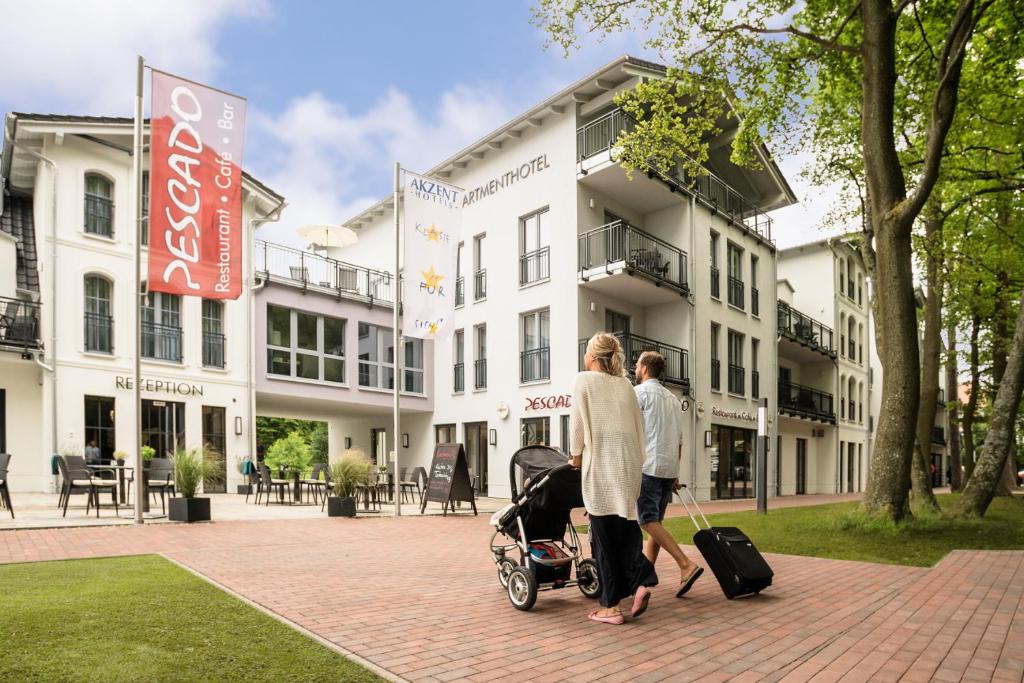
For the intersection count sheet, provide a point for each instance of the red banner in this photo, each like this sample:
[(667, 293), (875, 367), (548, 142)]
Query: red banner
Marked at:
[(195, 195)]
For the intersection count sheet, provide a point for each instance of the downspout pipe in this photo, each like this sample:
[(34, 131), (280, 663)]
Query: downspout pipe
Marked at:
[(693, 342), (52, 348)]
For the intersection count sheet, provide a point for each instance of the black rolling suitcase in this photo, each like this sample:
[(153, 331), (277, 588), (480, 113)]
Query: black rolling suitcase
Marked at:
[(732, 557)]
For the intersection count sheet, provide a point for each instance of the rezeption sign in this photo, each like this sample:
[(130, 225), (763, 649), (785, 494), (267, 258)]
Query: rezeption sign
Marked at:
[(195, 210)]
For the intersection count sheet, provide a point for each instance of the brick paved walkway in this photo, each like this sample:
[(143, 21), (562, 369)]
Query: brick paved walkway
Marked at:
[(419, 597)]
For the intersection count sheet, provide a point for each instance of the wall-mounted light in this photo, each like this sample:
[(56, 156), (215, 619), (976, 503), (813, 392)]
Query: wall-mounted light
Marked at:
[(707, 438), (405, 440), (348, 442), (238, 425), (492, 437)]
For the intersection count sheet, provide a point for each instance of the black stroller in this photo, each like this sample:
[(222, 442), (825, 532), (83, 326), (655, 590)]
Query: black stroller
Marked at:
[(535, 525)]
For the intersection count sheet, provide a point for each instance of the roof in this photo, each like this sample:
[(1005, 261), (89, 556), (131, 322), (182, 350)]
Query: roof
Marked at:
[(17, 221), (118, 121), (846, 239)]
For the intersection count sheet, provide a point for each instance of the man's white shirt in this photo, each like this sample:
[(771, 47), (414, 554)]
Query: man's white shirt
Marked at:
[(663, 429)]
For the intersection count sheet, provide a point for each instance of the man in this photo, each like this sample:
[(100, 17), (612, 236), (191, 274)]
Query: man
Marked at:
[(663, 427), (92, 453)]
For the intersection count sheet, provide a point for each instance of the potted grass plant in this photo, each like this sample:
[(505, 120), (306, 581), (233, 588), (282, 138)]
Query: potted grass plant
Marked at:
[(191, 468), (348, 473)]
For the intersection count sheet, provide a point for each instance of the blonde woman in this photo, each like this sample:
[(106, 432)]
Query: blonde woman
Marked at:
[(607, 443)]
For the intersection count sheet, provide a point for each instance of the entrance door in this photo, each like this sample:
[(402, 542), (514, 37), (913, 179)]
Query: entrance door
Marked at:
[(476, 453), (378, 446), (850, 463), (801, 466), (734, 472), (215, 445), (616, 323), (163, 426)]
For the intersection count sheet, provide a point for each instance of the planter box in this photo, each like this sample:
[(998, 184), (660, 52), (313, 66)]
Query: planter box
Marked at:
[(341, 507), (245, 489), (188, 509)]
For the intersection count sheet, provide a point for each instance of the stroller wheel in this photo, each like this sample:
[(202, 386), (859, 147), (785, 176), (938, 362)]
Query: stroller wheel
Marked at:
[(589, 581), (505, 567), (522, 588)]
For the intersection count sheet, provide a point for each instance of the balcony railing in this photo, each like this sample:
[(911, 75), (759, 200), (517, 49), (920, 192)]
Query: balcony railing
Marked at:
[(213, 350), (677, 360), (535, 365), (808, 402), (716, 286), (308, 269), (535, 266), (480, 284), (99, 333), (755, 301), (460, 291), (737, 377), (459, 379), (161, 342), (716, 374), (805, 330), (602, 134), (735, 292), (640, 252), (19, 323), (480, 374), (99, 215), (939, 436)]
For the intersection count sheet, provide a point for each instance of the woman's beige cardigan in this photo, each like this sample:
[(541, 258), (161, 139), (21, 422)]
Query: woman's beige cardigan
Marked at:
[(607, 428)]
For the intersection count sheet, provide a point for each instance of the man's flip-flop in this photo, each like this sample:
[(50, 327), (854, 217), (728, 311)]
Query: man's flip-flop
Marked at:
[(688, 584), (616, 620), (640, 601)]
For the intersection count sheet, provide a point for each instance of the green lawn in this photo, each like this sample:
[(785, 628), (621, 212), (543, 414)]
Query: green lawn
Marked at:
[(145, 619), (834, 531)]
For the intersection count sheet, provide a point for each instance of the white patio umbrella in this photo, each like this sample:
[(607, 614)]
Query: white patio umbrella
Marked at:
[(328, 236)]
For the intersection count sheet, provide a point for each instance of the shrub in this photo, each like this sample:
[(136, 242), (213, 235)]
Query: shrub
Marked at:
[(292, 453), (191, 468), (351, 470), (120, 455), (148, 453)]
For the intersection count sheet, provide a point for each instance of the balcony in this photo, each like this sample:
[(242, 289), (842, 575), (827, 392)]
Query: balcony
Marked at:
[(19, 324), (459, 378), (480, 284), (677, 360), (620, 248), (480, 374), (799, 401), (99, 333), (601, 135), (735, 292), (460, 291), (939, 436), (213, 350), (321, 273), (161, 342), (535, 266), (535, 365), (805, 331)]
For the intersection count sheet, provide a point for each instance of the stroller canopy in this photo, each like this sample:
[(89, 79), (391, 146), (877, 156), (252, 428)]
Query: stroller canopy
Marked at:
[(533, 461)]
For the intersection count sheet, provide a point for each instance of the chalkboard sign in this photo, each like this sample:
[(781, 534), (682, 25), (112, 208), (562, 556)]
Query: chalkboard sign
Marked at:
[(449, 478)]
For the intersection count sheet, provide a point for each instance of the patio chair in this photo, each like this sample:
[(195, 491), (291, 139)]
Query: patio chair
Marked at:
[(314, 484), (327, 486), (78, 479), (5, 493), (269, 483), (160, 478), (409, 485), (370, 493), (253, 477), (66, 463)]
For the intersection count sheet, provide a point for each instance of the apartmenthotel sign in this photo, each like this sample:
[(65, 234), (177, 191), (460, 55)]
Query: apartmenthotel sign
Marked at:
[(167, 386), (521, 172)]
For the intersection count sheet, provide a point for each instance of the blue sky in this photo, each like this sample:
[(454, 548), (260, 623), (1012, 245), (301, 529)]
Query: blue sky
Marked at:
[(337, 90)]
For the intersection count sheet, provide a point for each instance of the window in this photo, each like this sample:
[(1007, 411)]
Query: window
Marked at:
[(842, 452), (842, 396), (616, 323), (480, 275), (755, 303), (860, 289), (377, 360), (305, 345), (736, 369), (860, 402), (412, 369), (735, 280), (842, 275), (215, 441), (161, 326), (755, 378), (534, 356), (459, 379), (563, 428), (480, 364), (851, 330), (213, 333), (534, 249), (842, 334), (715, 292), (851, 408), (99, 426), (849, 280), (460, 278), (145, 208), (99, 205), (444, 433), (860, 344), (850, 451), (536, 431), (716, 383), (99, 324)]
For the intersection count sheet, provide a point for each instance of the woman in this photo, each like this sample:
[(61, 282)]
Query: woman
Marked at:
[(607, 436)]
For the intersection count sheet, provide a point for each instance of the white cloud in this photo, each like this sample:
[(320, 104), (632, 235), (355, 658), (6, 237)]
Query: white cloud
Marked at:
[(80, 56), (817, 214), (331, 162)]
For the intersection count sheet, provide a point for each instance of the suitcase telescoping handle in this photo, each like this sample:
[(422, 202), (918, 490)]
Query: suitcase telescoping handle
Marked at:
[(687, 507)]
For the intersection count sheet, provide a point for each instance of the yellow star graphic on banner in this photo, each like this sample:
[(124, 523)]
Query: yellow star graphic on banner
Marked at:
[(432, 327), (432, 279), (433, 234)]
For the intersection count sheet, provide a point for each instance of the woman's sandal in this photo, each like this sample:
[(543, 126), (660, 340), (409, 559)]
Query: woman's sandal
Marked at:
[(615, 620), (688, 584), (640, 601)]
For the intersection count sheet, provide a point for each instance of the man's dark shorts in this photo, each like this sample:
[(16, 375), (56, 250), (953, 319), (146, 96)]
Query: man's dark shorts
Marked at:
[(655, 494)]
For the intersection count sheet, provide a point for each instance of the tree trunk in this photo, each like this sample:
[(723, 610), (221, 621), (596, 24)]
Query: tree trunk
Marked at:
[(921, 480), (952, 408), (971, 408), (1000, 333), (999, 442)]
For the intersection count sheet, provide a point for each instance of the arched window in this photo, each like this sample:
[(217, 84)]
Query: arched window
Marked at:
[(99, 321), (851, 330), (99, 205), (842, 396), (842, 275), (860, 343), (851, 408), (860, 289), (860, 402), (213, 333), (842, 334)]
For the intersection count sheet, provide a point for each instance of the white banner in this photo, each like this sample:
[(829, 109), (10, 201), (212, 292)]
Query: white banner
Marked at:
[(432, 222)]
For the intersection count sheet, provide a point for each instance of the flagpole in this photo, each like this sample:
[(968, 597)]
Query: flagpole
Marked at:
[(137, 162), (396, 345)]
